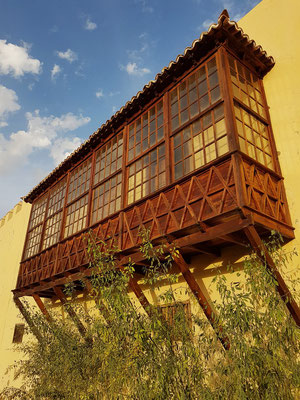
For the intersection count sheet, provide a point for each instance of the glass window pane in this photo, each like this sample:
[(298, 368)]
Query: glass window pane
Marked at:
[(147, 174), (202, 90)]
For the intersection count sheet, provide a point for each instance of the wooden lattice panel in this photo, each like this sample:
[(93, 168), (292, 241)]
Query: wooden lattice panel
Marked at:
[(181, 207), (265, 192)]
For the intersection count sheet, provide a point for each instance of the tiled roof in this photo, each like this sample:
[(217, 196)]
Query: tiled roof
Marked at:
[(224, 29)]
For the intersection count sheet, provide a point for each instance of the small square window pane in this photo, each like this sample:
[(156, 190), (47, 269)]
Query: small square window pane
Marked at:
[(222, 146), (199, 159), (215, 94), (210, 152), (220, 128), (178, 170), (204, 102)]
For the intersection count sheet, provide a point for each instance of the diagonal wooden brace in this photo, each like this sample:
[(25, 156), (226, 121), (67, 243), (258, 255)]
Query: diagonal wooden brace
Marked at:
[(197, 292), (59, 293), (99, 303), (42, 307), (28, 319), (135, 287), (262, 252)]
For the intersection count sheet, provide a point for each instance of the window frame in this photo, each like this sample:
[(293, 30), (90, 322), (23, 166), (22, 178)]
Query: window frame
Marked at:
[(227, 99), (152, 148), (264, 120)]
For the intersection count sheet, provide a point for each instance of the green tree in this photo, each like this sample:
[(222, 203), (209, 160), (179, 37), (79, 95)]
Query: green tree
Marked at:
[(130, 355)]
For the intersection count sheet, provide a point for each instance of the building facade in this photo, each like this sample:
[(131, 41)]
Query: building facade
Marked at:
[(198, 157)]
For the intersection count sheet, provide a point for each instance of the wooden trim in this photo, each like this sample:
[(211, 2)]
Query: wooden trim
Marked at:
[(239, 179), (232, 135), (26, 236), (90, 198), (28, 319), (64, 215), (44, 223), (81, 328), (135, 287), (167, 131), (270, 130), (99, 303), (265, 256), (124, 168), (42, 307)]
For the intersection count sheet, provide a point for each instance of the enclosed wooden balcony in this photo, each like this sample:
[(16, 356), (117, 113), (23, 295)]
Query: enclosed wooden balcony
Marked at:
[(192, 158)]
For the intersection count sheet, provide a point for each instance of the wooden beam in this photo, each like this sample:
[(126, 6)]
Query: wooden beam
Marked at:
[(42, 307), (265, 256), (28, 319), (135, 287), (232, 238), (235, 224), (197, 292), (203, 250), (59, 293), (99, 303)]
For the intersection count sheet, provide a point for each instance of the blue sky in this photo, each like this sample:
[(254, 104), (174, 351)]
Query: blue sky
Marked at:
[(66, 66)]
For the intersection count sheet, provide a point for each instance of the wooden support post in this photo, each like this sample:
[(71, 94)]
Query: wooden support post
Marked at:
[(101, 306), (28, 319), (264, 255), (197, 292), (59, 293), (135, 287), (42, 307)]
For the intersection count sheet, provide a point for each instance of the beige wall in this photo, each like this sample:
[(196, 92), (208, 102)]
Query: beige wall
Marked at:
[(274, 24), (12, 235)]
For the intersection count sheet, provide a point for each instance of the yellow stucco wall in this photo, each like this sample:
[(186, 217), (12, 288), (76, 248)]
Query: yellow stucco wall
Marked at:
[(12, 235), (274, 24)]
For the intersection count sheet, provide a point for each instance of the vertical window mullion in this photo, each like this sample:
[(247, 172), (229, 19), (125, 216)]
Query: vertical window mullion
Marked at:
[(44, 222), (169, 153), (232, 135), (90, 198), (64, 210), (124, 190)]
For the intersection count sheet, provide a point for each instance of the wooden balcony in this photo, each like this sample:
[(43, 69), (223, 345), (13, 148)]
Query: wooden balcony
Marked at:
[(203, 212)]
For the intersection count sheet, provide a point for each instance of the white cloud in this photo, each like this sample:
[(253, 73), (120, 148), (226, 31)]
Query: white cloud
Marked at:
[(89, 25), (43, 133), (54, 29), (31, 86), (56, 70), (8, 103), (99, 93), (206, 24), (145, 6), (63, 147), (68, 55), (16, 61), (111, 94), (236, 17), (132, 69)]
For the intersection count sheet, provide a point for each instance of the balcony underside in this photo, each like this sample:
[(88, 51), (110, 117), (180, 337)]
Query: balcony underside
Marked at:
[(201, 214)]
